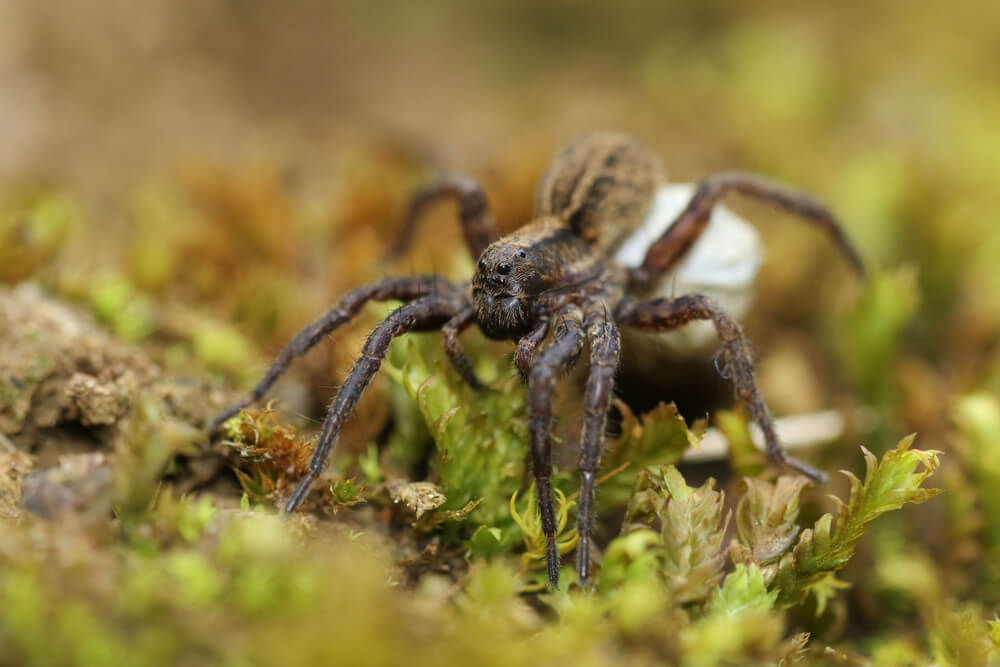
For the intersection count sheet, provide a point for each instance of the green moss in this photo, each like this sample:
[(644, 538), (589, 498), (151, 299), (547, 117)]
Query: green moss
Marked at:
[(870, 340), (692, 524), (143, 448), (210, 264), (33, 228), (978, 418), (480, 438), (126, 311), (224, 349), (659, 437), (528, 519), (827, 546)]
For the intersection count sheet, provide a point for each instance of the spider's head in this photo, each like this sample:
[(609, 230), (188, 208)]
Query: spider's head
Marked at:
[(504, 287), (511, 274)]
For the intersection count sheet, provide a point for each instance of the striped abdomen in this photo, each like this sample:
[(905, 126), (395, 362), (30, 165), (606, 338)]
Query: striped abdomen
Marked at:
[(602, 186)]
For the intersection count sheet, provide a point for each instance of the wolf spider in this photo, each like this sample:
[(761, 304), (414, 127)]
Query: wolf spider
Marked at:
[(554, 287)]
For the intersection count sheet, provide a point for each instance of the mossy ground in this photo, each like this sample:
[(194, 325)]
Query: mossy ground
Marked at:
[(146, 286)]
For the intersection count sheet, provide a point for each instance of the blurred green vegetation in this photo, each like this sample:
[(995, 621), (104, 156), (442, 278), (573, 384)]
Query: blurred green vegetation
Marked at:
[(189, 187)]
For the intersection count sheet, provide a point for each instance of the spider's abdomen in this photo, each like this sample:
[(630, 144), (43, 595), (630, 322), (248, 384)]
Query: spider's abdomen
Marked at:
[(601, 186)]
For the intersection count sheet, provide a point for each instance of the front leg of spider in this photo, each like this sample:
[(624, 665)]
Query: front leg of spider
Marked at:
[(429, 312), (478, 228), (402, 289), (605, 353), (563, 350), (667, 314)]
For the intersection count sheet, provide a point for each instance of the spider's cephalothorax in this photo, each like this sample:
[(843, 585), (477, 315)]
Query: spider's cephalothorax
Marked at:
[(562, 283), (541, 258)]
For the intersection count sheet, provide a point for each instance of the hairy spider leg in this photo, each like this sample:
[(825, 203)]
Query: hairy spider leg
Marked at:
[(561, 352), (526, 346), (474, 214), (605, 354), (403, 289), (671, 247), (667, 314), (428, 312), (453, 348)]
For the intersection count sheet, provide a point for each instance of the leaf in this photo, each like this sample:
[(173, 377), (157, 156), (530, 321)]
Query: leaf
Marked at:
[(745, 458), (691, 529), (632, 557), (828, 546), (347, 492), (824, 590), (659, 437), (480, 437), (743, 589), (978, 419), (766, 520), (994, 627), (530, 522), (959, 636), (692, 533), (143, 448), (871, 337), (487, 541), (369, 464), (740, 622), (631, 581)]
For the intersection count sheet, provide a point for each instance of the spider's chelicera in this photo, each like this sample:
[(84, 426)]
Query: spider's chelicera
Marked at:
[(554, 287)]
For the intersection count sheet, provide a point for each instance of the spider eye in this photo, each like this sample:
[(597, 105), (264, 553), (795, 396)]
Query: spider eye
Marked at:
[(522, 254), (503, 268), (482, 265)]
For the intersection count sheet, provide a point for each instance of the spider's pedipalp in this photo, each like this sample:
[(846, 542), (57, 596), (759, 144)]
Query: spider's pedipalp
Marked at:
[(667, 314), (453, 348), (428, 312), (403, 289), (605, 354), (524, 353), (561, 352)]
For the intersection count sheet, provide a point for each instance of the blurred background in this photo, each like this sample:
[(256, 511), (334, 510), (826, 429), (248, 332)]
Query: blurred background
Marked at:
[(260, 146), (212, 174), (204, 177)]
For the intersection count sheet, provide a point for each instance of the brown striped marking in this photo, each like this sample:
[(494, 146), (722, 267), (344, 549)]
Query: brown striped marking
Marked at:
[(602, 186)]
